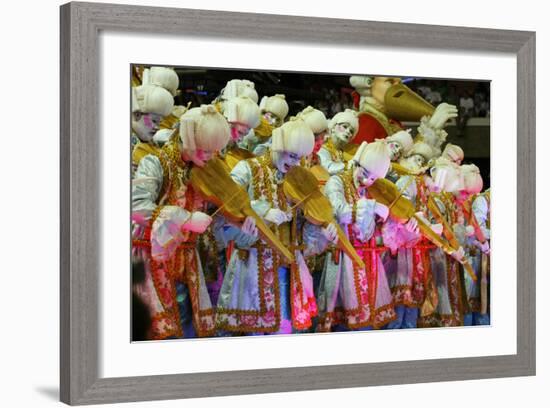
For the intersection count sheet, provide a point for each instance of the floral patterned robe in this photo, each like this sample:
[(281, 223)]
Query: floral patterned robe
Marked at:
[(161, 201), (249, 299), (348, 295)]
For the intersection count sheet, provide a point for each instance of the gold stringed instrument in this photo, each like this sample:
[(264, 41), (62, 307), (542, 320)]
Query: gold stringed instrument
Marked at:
[(235, 155), (320, 173), (449, 234), (402, 210), (215, 184), (403, 171), (349, 150), (302, 188)]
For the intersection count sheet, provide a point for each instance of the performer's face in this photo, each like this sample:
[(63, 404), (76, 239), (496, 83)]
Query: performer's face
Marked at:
[(284, 161), (395, 151), (272, 119), (454, 158), (462, 195), (446, 178), (199, 157), (319, 140), (145, 125), (414, 162), (342, 132), (380, 86), (364, 177), (238, 131)]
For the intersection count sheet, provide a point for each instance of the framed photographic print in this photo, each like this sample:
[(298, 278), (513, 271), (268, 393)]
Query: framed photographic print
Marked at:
[(217, 240)]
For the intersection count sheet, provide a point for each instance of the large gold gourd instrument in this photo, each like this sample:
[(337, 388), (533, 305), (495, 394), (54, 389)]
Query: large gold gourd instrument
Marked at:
[(403, 104), (215, 184), (302, 188)]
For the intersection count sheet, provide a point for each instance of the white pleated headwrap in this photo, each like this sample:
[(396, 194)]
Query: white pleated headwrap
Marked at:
[(152, 99), (314, 118), (447, 176), (242, 110), (275, 104), (348, 116), (423, 149), (293, 137), (204, 128), (453, 152), (404, 138), (473, 183), (240, 87), (373, 157), (161, 76)]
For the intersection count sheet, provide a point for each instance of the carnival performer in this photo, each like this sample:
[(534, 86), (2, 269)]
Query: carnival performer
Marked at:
[(480, 216), (242, 114), (471, 230), (318, 123), (164, 77), (453, 153), (168, 79), (405, 262), (260, 293), (342, 128), (150, 104), (448, 307), (351, 297), (235, 88), (274, 110), (167, 216), (399, 144)]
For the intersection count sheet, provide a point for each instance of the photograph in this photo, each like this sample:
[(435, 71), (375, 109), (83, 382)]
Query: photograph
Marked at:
[(291, 203), (260, 201)]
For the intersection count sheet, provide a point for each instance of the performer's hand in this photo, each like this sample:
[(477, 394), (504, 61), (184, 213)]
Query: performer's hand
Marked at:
[(437, 228), (330, 233), (382, 211), (443, 112), (276, 216), (363, 177), (249, 227), (412, 226), (458, 254), (484, 247), (198, 222)]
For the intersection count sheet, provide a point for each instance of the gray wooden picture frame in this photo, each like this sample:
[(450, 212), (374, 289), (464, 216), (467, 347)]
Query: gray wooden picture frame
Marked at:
[(80, 237)]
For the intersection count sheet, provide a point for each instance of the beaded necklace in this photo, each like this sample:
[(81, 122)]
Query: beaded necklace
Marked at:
[(350, 192), (335, 154), (176, 171)]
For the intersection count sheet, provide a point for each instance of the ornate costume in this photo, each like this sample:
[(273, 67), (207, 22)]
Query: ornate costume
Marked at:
[(260, 293), (167, 215)]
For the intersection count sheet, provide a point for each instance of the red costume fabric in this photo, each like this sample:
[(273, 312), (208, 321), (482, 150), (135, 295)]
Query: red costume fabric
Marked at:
[(370, 128)]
